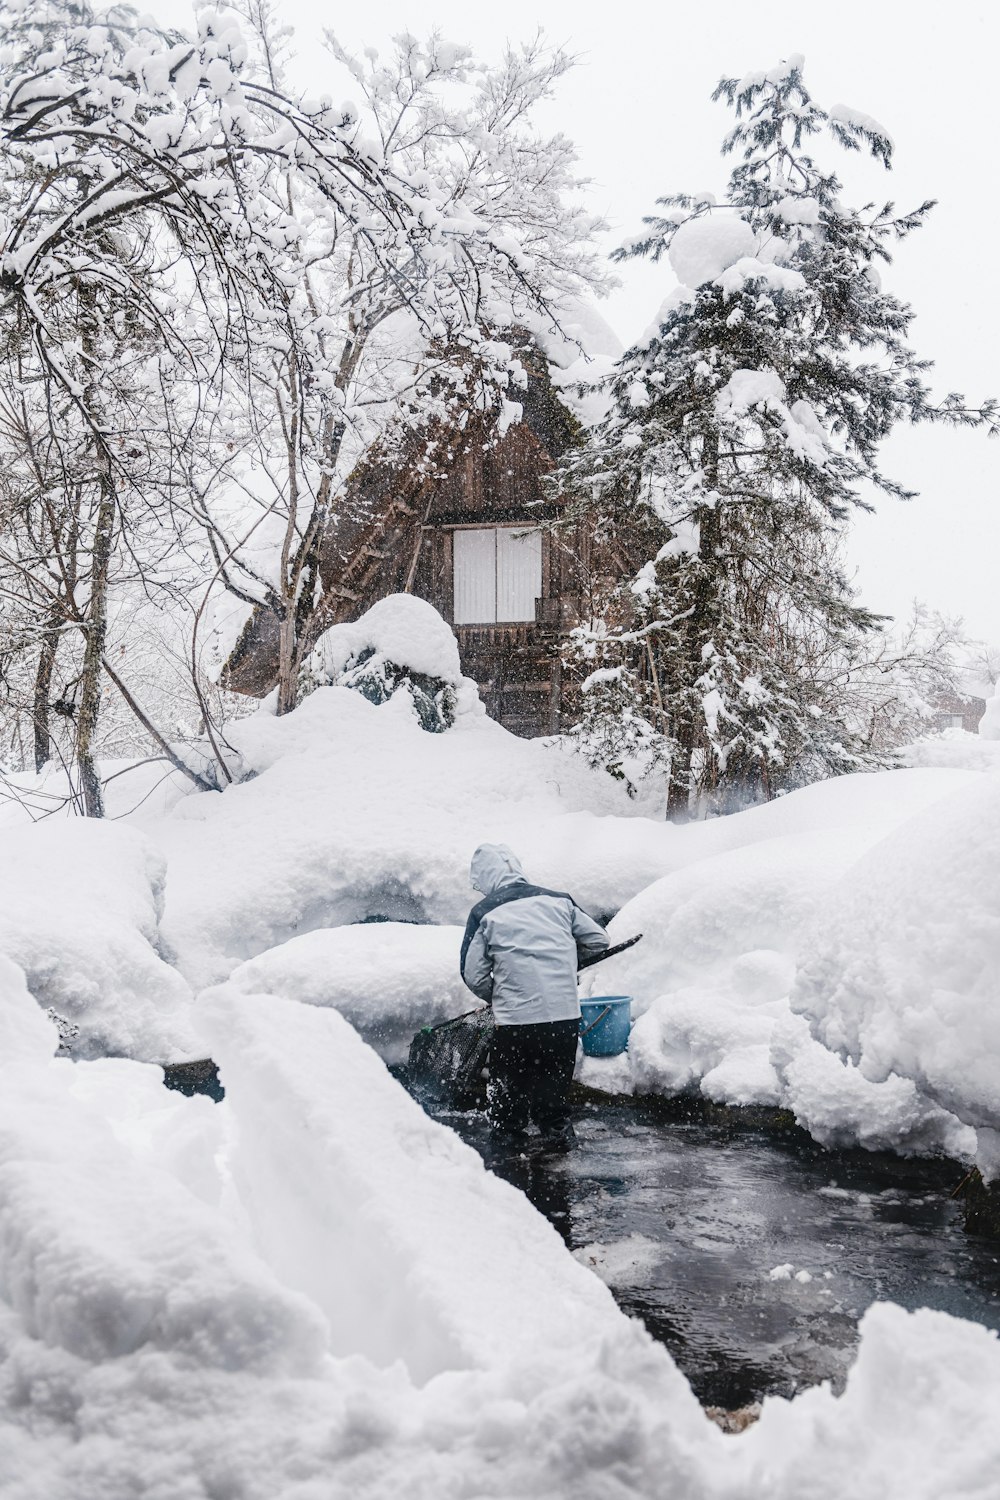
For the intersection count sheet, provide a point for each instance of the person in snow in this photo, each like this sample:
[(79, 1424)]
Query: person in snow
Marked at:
[(520, 954)]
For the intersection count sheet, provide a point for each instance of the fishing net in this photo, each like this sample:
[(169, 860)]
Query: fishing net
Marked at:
[(446, 1062)]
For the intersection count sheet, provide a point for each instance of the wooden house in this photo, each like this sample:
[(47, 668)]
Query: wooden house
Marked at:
[(463, 528), (958, 711)]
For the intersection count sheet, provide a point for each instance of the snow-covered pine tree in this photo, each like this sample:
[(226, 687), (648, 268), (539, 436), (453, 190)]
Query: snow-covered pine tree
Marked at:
[(740, 435)]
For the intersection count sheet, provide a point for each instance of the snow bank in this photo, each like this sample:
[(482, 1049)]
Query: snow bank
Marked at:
[(723, 935), (956, 749), (80, 903), (917, 1420), (357, 1307), (388, 1222), (386, 978), (101, 1255), (989, 724), (840, 1107), (353, 812), (903, 976)]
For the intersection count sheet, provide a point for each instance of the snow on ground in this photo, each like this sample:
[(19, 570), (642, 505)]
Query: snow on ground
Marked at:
[(724, 932), (323, 1293), (957, 749), (387, 978), (354, 811), (80, 903), (903, 975), (312, 1289), (337, 1298), (136, 790)]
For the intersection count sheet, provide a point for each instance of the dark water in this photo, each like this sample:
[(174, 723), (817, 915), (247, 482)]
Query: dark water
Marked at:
[(687, 1221)]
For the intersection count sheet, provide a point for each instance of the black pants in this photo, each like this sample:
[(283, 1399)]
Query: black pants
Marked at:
[(531, 1068)]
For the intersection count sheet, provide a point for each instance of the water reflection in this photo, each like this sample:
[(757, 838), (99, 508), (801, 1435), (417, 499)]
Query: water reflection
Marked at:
[(752, 1257)]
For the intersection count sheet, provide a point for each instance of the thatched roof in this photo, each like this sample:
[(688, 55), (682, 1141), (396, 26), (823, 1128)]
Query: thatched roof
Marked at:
[(370, 549)]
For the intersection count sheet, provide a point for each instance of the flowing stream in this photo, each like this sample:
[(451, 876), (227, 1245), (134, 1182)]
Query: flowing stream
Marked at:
[(751, 1254)]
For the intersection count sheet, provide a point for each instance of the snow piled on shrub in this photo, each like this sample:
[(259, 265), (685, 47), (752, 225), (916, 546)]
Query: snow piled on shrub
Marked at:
[(80, 905), (399, 646)]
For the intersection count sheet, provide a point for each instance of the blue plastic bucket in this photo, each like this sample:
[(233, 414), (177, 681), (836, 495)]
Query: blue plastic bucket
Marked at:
[(605, 1022)]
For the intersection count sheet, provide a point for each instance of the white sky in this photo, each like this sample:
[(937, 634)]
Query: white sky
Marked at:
[(639, 108)]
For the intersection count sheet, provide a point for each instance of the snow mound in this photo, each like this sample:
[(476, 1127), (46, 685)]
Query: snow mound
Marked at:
[(701, 1039), (840, 1107), (989, 724), (158, 1335), (101, 1256), (80, 903), (401, 643), (378, 1213), (918, 1379), (354, 812), (956, 749), (386, 978), (903, 975), (702, 248), (25, 1031), (313, 1289), (723, 936)]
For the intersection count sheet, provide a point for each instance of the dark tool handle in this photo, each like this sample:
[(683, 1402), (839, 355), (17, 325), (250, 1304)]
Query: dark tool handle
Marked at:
[(476, 1011), (598, 958), (605, 1012)]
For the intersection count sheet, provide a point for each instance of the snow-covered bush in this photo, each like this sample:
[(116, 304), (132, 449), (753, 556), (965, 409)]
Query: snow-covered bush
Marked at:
[(400, 645)]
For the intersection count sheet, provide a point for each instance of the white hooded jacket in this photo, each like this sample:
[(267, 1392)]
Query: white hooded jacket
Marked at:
[(523, 943)]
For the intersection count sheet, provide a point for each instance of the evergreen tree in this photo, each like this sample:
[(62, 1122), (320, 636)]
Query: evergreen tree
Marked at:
[(741, 434)]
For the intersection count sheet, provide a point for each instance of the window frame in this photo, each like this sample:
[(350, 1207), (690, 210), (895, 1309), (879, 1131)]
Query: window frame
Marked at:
[(523, 530)]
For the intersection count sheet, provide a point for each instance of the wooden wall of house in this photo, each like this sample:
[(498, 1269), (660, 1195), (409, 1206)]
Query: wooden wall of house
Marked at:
[(395, 536), (518, 667)]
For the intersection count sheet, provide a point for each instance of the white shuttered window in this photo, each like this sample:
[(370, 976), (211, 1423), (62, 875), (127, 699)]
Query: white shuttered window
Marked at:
[(498, 575), (475, 577)]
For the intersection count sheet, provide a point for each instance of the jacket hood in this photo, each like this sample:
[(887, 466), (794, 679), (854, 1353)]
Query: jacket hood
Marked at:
[(494, 866)]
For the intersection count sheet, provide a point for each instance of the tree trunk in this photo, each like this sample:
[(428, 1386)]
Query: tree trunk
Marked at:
[(699, 628), (287, 675), (97, 629), (43, 686)]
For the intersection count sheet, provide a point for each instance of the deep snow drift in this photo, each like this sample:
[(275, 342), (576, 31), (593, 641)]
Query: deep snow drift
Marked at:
[(355, 812), (80, 907), (350, 812), (747, 904), (313, 1289)]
